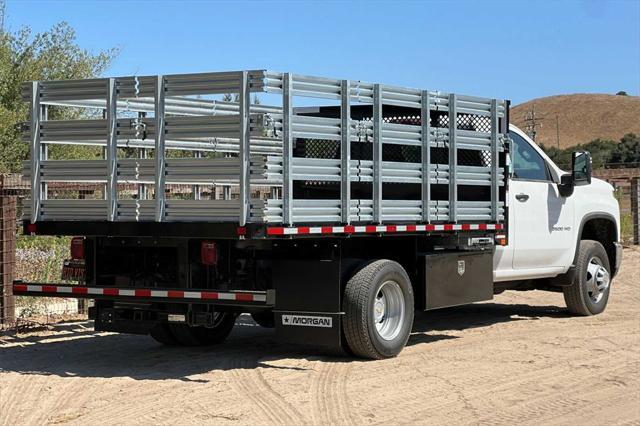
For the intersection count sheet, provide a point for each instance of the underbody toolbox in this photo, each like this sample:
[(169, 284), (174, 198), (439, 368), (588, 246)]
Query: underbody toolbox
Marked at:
[(457, 278)]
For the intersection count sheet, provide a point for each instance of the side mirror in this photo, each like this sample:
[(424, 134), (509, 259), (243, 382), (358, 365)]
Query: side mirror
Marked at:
[(580, 173), (581, 168), (565, 187)]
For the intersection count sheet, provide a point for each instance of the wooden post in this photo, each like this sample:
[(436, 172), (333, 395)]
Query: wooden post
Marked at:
[(635, 206)]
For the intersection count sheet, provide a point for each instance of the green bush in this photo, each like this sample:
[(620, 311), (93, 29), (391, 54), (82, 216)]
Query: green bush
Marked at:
[(602, 151)]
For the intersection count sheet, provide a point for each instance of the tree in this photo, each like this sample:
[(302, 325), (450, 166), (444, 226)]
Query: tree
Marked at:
[(622, 93), (234, 97), (230, 97), (628, 150), (51, 55), (602, 151)]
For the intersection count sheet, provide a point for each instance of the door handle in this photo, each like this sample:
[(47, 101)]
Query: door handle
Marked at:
[(522, 197)]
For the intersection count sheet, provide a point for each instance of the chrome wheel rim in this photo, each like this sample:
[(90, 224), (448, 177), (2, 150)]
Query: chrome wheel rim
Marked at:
[(388, 310), (598, 279)]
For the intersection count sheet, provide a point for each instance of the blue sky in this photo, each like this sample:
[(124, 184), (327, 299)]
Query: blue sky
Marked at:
[(508, 49)]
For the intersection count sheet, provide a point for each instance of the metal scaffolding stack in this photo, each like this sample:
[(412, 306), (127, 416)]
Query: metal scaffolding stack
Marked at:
[(390, 154)]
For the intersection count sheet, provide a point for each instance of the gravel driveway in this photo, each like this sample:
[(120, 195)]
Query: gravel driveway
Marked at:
[(519, 359)]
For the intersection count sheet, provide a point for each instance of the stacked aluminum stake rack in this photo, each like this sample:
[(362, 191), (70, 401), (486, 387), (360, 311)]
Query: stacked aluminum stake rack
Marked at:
[(352, 182)]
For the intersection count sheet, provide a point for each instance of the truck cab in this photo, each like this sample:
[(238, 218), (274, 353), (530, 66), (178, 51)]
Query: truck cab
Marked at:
[(551, 215)]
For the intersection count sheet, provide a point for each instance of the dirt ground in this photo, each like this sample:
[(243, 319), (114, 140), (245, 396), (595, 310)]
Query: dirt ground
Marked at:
[(519, 359)]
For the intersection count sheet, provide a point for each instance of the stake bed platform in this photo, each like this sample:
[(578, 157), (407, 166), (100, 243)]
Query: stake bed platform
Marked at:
[(193, 209)]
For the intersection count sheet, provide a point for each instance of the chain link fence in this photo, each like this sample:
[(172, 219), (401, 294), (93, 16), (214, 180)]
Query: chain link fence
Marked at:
[(37, 259), (628, 195), (7, 256)]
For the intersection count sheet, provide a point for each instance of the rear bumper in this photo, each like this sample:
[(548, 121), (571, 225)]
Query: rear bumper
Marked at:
[(147, 295), (618, 261)]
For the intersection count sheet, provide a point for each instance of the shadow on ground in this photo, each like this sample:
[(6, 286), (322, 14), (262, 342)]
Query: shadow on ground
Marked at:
[(74, 350)]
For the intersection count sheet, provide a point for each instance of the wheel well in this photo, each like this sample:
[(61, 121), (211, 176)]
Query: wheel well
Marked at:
[(605, 232)]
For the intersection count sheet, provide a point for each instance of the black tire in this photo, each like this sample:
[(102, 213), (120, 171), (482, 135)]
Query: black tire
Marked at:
[(203, 336), (580, 297), (162, 334), (360, 295), (264, 319)]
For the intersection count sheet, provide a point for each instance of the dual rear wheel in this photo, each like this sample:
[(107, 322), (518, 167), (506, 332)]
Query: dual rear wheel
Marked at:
[(378, 307), (183, 334)]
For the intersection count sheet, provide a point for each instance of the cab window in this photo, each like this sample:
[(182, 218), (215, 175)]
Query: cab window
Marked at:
[(527, 163)]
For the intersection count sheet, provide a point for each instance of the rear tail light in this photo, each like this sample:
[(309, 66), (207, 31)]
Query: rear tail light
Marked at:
[(77, 248), (31, 229), (208, 253)]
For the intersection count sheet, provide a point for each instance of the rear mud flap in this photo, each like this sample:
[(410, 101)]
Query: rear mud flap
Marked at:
[(307, 309), (318, 329)]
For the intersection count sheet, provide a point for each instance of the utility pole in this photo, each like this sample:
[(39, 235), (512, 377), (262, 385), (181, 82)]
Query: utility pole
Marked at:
[(558, 131), (532, 122)]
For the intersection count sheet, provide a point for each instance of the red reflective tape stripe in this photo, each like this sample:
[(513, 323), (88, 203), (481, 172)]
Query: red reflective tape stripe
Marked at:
[(110, 292), (175, 293), (350, 229), (49, 289), (19, 287), (209, 295), (79, 290), (244, 297), (275, 231), (142, 293)]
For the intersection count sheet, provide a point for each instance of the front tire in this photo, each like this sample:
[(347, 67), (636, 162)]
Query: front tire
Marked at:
[(378, 306), (589, 293)]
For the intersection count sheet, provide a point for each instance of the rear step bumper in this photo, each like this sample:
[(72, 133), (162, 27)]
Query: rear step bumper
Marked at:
[(235, 298)]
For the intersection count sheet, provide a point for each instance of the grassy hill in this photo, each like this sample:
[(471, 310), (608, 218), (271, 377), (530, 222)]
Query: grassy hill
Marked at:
[(581, 117)]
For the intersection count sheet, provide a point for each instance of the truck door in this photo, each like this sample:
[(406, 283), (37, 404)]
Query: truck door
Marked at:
[(541, 221)]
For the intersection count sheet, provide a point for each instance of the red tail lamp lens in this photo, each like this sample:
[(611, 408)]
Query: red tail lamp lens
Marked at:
[(208, 253), (77, 248), (31, 228)]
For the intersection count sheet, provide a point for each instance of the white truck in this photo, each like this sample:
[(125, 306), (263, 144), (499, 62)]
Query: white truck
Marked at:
[(331, 223)]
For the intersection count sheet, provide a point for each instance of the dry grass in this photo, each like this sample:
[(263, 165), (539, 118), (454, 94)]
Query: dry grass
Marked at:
[(581, 117)]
